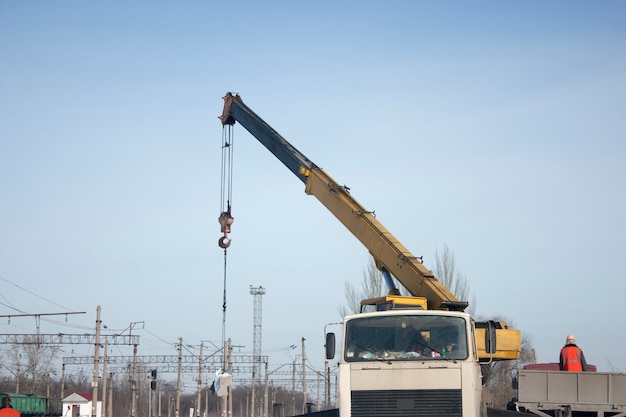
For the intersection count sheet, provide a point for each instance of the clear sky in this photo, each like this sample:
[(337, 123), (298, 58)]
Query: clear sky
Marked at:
[(495, 128)]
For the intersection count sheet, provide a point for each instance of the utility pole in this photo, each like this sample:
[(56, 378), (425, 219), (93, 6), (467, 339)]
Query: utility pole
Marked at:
[(230, 388), (265, 396), (326, 384), (223, 381), (152, 392), (160, 394), (96, 359), (304, 399), (199, 400), (253, 391), (133, 407), (110, 406), (104, 379), (293, 388), (224, 404), (180, 360), (206, 400), (319, 387), (133, 383), (17, 376), (62, 381)]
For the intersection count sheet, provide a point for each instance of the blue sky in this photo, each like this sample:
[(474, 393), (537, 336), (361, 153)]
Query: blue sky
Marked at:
[(495, 128)]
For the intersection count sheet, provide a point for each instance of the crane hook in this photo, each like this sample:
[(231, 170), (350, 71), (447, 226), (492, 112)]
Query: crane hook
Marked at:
[(225, 220), (224, 242)]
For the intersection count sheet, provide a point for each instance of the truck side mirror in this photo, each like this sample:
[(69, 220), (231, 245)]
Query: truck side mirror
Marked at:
[(490, 337), (330, 345)]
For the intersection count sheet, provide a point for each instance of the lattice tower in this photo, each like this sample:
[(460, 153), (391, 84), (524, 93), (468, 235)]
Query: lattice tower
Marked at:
[(257, 327)]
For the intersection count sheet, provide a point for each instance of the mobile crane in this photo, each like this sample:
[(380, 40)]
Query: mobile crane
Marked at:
[(401, 355)]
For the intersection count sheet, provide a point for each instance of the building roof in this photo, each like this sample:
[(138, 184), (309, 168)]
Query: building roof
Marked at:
[(78, 397)]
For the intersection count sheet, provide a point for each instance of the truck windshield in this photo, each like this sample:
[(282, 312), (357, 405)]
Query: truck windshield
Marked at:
[(407, 337)]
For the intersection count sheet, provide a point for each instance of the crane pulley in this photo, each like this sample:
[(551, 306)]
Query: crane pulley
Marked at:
[(225, 220)]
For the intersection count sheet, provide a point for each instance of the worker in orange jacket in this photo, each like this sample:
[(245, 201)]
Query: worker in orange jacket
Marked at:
[(7, 409), (572, 357)]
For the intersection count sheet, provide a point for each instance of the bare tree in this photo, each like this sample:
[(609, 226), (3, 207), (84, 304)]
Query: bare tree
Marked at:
[(34, 363), (446, 272), (498, 376), (372, 286)]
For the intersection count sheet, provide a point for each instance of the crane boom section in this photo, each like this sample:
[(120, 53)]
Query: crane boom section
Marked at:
[(236, 110), (387, 251)]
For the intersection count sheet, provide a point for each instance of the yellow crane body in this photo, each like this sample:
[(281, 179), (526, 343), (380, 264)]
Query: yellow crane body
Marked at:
[(494, 340)]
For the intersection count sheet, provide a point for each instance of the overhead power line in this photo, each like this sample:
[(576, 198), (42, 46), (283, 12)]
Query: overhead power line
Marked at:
[(33, 294)]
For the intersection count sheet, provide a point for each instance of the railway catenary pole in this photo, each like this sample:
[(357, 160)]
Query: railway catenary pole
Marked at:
[(149, 403), (96, 359), (17, 377), (104, 379), (180, 360), (63, 381), (230, 388), (110, 406), (133, 400), (160, 394), (304, 399), (199, 399), (319, 381), (293, 388), (206, 401), (265, 395)]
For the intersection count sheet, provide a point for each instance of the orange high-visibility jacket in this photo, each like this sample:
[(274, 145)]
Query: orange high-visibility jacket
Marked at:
[(572, 359), (9, 412)]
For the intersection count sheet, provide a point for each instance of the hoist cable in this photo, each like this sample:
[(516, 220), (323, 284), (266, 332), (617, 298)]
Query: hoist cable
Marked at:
[(224, 305), (227, 168), (225, 207), (231, 152)]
